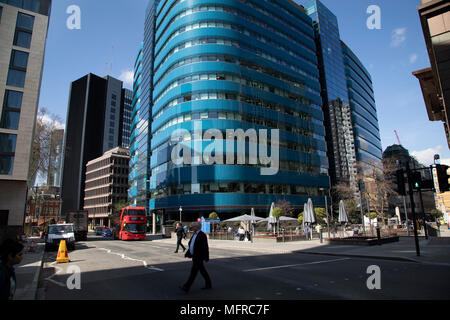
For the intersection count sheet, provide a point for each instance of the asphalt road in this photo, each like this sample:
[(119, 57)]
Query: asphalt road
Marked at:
[(149, 270)]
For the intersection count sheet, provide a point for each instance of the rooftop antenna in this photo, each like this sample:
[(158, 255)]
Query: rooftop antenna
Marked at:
[(112, 59), (398, 139)]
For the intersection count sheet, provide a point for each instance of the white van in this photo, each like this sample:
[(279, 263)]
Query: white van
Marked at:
[(58, 232)]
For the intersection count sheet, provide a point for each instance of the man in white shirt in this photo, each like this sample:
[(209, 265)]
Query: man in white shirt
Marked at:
[(199, 252)]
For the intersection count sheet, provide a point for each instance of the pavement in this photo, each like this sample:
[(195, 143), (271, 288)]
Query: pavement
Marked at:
[(434, 251), (28, 271)]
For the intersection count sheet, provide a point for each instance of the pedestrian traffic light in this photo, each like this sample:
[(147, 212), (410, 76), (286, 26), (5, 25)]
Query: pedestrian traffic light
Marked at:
[(443, 177), (416, 178), (401, 183)]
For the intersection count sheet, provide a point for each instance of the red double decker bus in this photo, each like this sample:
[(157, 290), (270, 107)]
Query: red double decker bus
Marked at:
[(132, 225)]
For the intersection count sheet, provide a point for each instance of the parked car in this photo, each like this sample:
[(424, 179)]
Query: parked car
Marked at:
[(107, 232), (98, 231)]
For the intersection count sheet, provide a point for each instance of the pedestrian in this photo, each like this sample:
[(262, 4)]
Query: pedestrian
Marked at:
[(241, 233), (180, 236), (11, 253), (308, 236), (199, 252)]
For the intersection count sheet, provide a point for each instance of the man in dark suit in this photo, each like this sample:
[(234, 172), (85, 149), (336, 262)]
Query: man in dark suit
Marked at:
[(180, 235), (199, 252)]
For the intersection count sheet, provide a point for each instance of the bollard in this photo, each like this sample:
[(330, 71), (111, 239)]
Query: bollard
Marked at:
[(379, 236), (321, 236)]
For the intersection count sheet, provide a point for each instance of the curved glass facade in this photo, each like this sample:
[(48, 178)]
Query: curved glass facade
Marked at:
[(227, 66), (135, 179), (364, 112)]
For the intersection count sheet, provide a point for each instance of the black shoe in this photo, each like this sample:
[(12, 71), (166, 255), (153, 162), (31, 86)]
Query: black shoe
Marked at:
[(177, 251), (186, 290)]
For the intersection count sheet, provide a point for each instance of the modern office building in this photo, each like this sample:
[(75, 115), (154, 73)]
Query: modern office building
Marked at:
[(138, 156), (23, 34), (56, 157), (364, 118), (230, 65), (95, 124), (125, 124), (351, 123), (396, 157), (106, 184), (435, 81)]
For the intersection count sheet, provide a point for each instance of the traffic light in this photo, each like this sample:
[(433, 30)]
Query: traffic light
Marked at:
[(416, 179), (443, 177), (401, 183)]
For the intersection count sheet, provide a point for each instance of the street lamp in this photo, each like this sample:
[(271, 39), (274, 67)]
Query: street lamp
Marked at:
[(181, 209), (326, 210)]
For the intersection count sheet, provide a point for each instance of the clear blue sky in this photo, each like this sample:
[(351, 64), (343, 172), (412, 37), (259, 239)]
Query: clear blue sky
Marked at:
[(113, 30)]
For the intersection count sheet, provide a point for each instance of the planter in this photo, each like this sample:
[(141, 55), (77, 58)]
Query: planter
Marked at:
[(363, 241)]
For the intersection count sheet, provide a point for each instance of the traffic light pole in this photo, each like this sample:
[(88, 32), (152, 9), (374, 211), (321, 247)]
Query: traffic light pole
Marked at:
[(423, 213), (411, 197)]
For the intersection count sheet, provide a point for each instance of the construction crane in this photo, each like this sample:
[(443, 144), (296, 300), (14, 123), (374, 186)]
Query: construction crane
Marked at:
[(398, 139)]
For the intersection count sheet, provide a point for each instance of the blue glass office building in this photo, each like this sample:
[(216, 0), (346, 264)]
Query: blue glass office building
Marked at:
[(225, 65), (364, 112), (351, 124)]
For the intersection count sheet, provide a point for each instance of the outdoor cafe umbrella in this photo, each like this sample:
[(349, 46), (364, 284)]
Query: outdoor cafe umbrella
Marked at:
[(308, 216), (244, 217), (272, 220), (282, 218), (342, 214), (253, 222)]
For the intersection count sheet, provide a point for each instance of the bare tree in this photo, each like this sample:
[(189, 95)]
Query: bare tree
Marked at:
[(286, 208), (379, 184), (44, 145)]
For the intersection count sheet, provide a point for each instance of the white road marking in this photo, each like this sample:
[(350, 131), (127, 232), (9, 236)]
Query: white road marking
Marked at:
[(58, 270), (295, 265), (123, 256)]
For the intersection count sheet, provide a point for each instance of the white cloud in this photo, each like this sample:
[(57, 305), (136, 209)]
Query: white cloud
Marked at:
[(398, 37), (413, 58), (445, 161), (127, 77), (426, 156), (48, 120)]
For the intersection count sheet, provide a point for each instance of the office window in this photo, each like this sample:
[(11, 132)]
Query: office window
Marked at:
[(32, 5), (4, 218), (7, 143), (16, 78), (13, 99), (25, 21), (7, 149), (19, 59), (10, 120), (22, 39)]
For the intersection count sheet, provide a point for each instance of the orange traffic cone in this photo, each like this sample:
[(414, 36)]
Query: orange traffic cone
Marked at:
[(31, 249), (63, 256)]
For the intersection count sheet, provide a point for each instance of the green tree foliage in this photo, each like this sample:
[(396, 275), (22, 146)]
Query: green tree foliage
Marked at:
[(213, 216), (436, 214), (277, 212)]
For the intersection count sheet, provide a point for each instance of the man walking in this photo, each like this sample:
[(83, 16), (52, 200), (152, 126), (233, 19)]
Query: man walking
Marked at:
[(180, 235), (199, 252)]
